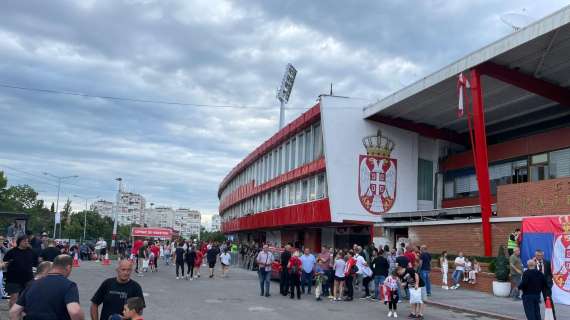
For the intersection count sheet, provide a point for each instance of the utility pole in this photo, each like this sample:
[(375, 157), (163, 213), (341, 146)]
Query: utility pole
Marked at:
[(116, 215), (57, 214), (84, 215)]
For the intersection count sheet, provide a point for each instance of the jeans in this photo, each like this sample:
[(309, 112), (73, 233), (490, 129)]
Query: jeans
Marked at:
[(425, 277), (295, 283), (167, 259), (531, 306), (457, 276), (326, 284), (377, 281), (306, 280), (264, 281), (515, 281), (284, 282)]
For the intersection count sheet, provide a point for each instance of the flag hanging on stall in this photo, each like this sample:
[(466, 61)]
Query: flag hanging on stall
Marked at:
[(462, 86)]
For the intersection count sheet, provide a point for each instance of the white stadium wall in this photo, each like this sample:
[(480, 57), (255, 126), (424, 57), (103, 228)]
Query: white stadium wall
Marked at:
[(343, 130)]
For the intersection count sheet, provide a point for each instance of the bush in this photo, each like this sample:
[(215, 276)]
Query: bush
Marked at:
[(501, 266)]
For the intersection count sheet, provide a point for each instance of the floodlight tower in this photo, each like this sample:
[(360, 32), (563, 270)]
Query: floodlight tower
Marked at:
[(285, 91)]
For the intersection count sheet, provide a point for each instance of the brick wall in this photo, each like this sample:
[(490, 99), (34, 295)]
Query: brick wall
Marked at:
[(484, 280), (464, 237), (545, 197)]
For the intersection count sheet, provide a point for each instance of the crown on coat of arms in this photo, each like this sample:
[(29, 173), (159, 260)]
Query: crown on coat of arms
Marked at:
[(378, 145), (565, 223)]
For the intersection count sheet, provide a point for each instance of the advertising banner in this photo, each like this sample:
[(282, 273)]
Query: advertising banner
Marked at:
[(550, 234), (152, 232)]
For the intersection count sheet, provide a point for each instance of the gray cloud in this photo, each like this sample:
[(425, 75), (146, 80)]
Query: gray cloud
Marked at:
[(208, 52)]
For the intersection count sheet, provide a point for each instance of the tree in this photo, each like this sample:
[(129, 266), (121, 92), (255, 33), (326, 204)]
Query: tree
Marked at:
[(19, 198)]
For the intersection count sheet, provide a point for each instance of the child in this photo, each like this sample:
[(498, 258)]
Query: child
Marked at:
[(444, 270), (133, 309), (320, 278), (475, 268), (151, 262), (391, 298), (468, 267)]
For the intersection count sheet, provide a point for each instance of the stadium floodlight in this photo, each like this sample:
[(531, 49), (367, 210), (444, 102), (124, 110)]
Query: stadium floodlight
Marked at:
[(284, 91)]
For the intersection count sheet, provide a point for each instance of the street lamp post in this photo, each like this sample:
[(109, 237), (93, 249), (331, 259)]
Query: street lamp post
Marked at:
[(85, 215), (116, 215), (59, 180)]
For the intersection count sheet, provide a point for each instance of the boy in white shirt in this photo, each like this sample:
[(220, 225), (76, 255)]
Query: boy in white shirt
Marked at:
[(459, 270)]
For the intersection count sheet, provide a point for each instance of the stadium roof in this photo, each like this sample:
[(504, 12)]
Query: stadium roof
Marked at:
[(525, 79)]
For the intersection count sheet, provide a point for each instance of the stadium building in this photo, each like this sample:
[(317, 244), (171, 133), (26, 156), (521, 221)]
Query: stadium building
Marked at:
[(413, 167)]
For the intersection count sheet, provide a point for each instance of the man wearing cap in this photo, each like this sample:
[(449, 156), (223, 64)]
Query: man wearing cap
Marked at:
[(20, 260)]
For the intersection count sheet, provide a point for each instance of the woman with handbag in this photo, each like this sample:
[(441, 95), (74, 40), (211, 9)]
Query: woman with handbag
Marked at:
[(294, 267)]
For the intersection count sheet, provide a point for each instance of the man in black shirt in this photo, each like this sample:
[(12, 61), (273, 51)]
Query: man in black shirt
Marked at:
[(49, 253), (114, 292), (52, 297), (20, 260), (212, 256), (284, 277), (380, 268), (425, 268), (533, 284)]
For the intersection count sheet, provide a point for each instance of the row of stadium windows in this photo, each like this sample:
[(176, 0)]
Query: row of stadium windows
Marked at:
[(304, 190), (304, 147)]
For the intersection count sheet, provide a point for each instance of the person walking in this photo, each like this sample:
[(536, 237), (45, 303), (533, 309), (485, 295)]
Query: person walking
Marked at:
[(425, 268), (264, 261), (20, 262), (325, 264), (114, 292), (533, 284), (212, 257), (155, 250), (349, 275), (380, 268), (459, 270), (516, 267), (225, 261), (53, 296), (444, 265), (295, 266), (190, 256), (198, 264), (284, 274), (179, 259), (308, 262), (167, 253), (545, 267), (339, 277)]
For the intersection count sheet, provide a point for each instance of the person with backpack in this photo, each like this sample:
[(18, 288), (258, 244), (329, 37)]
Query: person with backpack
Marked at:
[(294, 267)]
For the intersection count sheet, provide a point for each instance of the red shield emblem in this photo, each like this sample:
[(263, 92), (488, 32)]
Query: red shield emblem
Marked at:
[(377, 183), (561, 261)]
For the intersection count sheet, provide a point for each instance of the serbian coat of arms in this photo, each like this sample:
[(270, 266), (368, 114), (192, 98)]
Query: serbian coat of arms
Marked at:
[(377, 174), (561, 256)]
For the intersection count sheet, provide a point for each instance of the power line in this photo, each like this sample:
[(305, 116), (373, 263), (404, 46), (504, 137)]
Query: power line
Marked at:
[(153, 101)]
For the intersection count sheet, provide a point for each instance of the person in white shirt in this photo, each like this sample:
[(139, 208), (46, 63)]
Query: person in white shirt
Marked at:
[(339, 265), (264, 261), (360, 264), (459, 270), (225, 259)]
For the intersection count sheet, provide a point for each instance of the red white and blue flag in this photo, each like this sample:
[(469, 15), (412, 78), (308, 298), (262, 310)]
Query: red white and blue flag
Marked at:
[(462, 86)]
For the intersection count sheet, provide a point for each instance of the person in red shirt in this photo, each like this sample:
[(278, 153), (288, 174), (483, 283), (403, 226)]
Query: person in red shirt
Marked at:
[(349, 274), (410, 255), (198, 263), (294, 267), (155, 249), (135, 253)]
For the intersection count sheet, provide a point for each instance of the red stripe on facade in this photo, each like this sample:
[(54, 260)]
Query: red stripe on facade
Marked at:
[(464, 202), (547, 141), (303, 121), (250, 189), (313, 212)]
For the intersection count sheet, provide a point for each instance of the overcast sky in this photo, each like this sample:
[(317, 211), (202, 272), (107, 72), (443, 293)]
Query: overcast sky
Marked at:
[(202, 52)]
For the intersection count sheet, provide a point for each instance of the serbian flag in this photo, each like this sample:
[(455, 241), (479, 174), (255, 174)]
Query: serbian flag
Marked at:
[(550, 234), (462, 86)]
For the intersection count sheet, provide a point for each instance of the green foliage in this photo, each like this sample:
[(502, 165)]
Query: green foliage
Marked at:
[(502, 266), (211, 236)]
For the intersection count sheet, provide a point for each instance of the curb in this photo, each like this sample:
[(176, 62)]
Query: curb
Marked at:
[(474, 311)]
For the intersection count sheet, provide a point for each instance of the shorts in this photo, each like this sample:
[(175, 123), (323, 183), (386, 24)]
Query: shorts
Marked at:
[(223, 265), (340, 279), (212, 264), (12, 287)]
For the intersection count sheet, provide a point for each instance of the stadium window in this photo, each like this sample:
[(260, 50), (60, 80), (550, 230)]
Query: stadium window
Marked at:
[(283, 196), (291, 188), (304, 190), (425, 180), (321, 186), (308, 146), (287, 148), (312, 188), (301, 150), (299, 191), (293, 153), (318, 141)]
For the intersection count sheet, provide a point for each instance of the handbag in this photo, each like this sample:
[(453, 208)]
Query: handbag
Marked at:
[(416, 295), (145, 264)]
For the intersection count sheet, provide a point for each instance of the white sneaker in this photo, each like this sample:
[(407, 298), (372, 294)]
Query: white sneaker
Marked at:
[(177, 278), (389, 314), (445, 287), (395, 315), (457, 286)]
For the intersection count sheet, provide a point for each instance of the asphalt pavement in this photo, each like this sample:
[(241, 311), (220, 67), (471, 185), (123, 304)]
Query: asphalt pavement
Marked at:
[(235, 297)]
